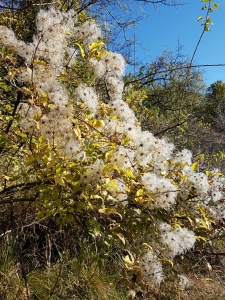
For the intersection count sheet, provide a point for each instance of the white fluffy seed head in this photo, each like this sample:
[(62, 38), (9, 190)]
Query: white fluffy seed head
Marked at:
[(94, 173), (151, 268), (121, 109), (123, 157), (177, 241), (88, 96), (164, 193)]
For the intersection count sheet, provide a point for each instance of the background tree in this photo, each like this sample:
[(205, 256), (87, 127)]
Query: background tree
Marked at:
[(214, 104), (173, 97)]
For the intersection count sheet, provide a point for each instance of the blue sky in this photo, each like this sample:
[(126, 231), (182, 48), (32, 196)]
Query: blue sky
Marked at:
[(166, 25)]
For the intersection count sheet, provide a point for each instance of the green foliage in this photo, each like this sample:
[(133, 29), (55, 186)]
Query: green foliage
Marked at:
[(209, 9), (214, 104)]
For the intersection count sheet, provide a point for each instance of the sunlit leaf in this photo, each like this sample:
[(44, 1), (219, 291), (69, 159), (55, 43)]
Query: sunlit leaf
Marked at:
[(81, 50), (59, 180), (200, 18), (215, 5), (121, 237)]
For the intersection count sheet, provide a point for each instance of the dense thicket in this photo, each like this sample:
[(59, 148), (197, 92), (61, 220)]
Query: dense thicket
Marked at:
[(75, 160)]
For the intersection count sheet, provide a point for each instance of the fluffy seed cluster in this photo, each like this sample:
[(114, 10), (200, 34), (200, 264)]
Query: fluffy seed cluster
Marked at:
[(123, 157), (110, 64), (151, 268), (177, 241), (88, 33), (194, 185), (87, 95), (95, 173), (161, 190)]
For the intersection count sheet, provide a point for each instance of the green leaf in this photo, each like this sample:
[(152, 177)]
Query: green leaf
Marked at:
[(216, 6), (204, 7), (109, 211), (58, 180), (200, 18)]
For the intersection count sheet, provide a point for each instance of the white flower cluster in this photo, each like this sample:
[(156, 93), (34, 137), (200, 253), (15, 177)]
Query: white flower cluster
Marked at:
[(184, 157), (151, 149), (123, 157), (50, 41), (122, 111), (146, 151), (151, 268), (162, 191), (87, 95), (88, 33), (95, 173), (29, 113), (217, 185), (194, 185), (177, 241), (219, 212), (110, 64)]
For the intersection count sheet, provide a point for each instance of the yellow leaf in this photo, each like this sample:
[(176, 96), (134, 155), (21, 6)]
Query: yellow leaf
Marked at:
[(129, 173), (200, 18), (96, 197), (50, 164), (96, 45), (147, 245), (77, 131), (198, 237), (113, 185), (140, 193), (58, 180), (190, 220), (6, 177), (81, 50), (29, 160), (40, 63), (128, 260), (99, 123), (121, 237), (167, 260), (109, 211), (26, 90), (195, 166), (217, 174)]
